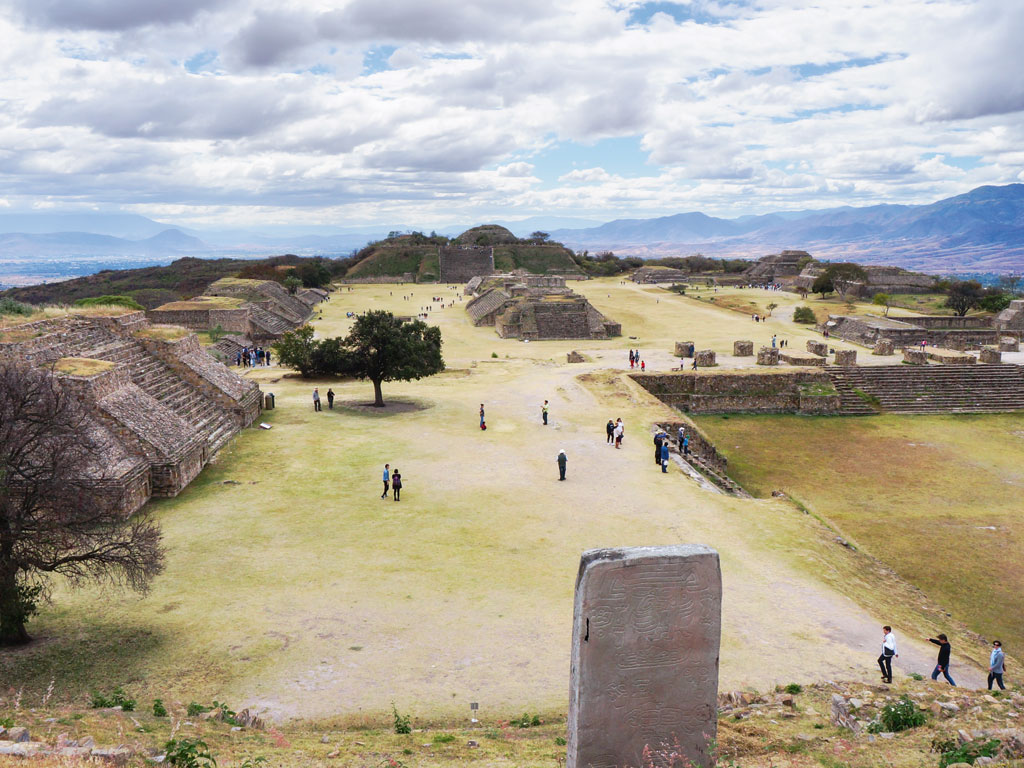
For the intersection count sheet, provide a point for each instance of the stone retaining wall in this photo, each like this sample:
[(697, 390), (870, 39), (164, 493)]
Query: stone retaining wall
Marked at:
[(950, 357), (989, 355), (915, 356), (776, 391)]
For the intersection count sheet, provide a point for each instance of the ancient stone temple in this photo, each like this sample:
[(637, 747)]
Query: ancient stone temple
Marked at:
[(461, 263), (646, 631), (771, 269), (159, 402)]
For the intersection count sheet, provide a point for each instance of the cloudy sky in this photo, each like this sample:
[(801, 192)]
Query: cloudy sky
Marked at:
[(428, 112)]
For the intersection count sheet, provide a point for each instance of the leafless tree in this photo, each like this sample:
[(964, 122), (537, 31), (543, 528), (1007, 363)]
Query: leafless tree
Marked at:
[(59, 515)]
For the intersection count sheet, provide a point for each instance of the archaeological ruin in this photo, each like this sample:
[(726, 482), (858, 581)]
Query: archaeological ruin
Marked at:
[(160, 404), (461, 263), (879, 280), (969, 332), (776, 267), (536, 307), (645, 650)]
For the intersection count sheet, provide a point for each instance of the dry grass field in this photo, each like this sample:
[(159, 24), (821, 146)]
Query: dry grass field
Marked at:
[(292, 586)]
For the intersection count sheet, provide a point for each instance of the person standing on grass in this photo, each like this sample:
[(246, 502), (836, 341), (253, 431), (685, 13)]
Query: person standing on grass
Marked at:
[(609, 430), (544, 412), (620, 430), (943, 663), (889, 652), (316, 399), (387, 480), (664, 455), (562, 460), (330, 399), (996, 665), (396, 484)]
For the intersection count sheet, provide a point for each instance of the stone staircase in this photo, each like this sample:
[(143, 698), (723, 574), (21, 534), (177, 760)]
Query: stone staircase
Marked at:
[(270, 323), (929, 388)]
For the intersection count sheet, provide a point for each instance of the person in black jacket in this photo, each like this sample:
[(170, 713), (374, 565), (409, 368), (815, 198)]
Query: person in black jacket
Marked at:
[(943, 663), (396, 484)]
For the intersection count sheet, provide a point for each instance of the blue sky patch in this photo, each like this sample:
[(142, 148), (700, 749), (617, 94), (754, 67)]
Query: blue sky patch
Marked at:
[(376, 58), (200, 62), (619, 156)]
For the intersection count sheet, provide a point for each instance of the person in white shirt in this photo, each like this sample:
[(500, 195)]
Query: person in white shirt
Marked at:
[(889, 653)]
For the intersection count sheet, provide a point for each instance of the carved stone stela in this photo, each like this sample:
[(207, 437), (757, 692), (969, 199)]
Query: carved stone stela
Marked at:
[(645, 654)]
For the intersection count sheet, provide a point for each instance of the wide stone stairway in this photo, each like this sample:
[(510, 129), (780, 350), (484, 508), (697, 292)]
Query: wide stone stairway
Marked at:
[(929, 388)]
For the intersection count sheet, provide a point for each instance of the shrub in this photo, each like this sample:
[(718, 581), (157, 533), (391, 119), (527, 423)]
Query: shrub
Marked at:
[(118, 698), (912, 675), (898, 716), (443, 738), (9, 306), (159, 710), (109, 300), (794, 688), (189, 753), (217, 333), (969, 751), (195, 708), (804, 315), (526, 721), (494, 354), (560, 741), (403, 723)]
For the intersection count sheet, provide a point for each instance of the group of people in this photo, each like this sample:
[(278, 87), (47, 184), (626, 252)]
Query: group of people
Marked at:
[(394, 478), (776, 342), (662, 440), (316, 399), (996, 659), (615, 431), (635, 361), (251, 357)]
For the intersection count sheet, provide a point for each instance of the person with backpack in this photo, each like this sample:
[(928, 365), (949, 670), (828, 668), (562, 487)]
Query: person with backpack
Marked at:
[(609, 430), (396, 484)]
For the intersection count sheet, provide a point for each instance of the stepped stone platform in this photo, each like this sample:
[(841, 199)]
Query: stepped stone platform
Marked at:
[(946, 331), (950, 356), (796, 357), (163, 406)]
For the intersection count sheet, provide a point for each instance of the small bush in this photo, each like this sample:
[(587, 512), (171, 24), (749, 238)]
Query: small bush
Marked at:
[(217, 333), (403, 723), (494, 354), (159, 710), (526, 721), (189, 753), (969, 752), (899, 716), (6, 722), (560, 741), (804, 315), (443, 738), (9, 306), (794, 688), (118, 698), (195, 708), (914, 675)]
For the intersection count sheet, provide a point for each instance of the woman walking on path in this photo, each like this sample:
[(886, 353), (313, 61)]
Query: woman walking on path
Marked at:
[(943, 662), (889, 652), (996, 665)]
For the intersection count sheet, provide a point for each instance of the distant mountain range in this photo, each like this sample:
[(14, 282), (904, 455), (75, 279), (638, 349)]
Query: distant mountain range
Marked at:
[(977, 232), (980, 231)]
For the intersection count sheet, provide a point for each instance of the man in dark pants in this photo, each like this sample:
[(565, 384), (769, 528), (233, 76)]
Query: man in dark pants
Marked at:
[(889, 653), (657, 448), (316, 398), (943, 663), (387, 480), (996, 665), (544, 412), (609, 429), (396, 484), (330, 399), (562, 459)]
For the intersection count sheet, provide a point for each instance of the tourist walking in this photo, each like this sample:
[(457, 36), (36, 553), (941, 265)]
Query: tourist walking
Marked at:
[(686, 445), (544, 412), (943, 663), (316, 399), (664, 455), (996, 665), (631, 359), (387, 480), (643, 366), (562, 460), (330, 399), (396, 484), (889, 652), (609, 430), (620, 430), (483, 424), (682, 437)]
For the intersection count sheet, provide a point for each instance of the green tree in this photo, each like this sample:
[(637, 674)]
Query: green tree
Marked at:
[(963, 296), (59, 514), (847, 277), (882, 300), (292, 283), (994, 300), (382, 348), (771, 308), (295, 349), (1010, 283), (539, 236), (823, 284)]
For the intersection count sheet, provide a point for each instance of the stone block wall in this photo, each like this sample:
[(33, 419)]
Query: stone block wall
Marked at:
[(700, 444), (705, 358), (684, 349), (802, 358), (989, 355), (1009, 344), (776, 391), (461, 263), (915, 356), (846, 357), (743, 348), (768, 356), (817, 347), (883, 347), (950, 357)]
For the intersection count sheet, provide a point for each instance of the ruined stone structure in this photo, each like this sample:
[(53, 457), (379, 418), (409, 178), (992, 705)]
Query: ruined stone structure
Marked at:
[(752, 391), (659, 275), (646, 632), (1009, 344), (1011, 319), (796, 357), (950, 356), (705, 358), (846, 357), (883, 347), (948, 331), (817, 347), (768, 356), (575, 357), (685, 349), (773, 268), (989, 355), (163, 406), (250, 311), (915, 356), (461, 263), (879, 280), (537, 307), (743, 349)]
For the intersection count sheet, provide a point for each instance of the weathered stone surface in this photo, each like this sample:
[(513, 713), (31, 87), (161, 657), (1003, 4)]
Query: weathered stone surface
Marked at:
[(950, 356), (684, 348), (249, 719), (915, 356), (17, 734), (743, 349), (846, 357), (817, 347), (574, 357), (705, 358), (842, 715), (1009, 344), (768, 356), (883, 347), (796, 357), (646, 634), (115, 755), (989, 355)]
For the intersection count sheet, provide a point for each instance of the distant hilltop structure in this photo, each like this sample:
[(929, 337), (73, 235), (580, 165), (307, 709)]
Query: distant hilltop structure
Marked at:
[(158, 403), (461, 263), (777, 266), (879, 280), (536, 307)]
